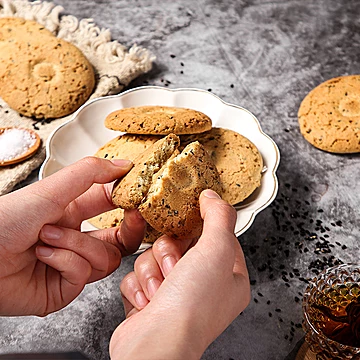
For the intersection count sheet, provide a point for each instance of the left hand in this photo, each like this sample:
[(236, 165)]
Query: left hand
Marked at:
[(45, 260)]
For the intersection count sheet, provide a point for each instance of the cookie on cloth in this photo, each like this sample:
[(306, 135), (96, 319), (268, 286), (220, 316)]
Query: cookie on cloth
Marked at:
[(158, 120), (13, 28), (126, 146), (172, 204), (236, 158), (114, 218), (44, 79), (329, 115), (132, 188)]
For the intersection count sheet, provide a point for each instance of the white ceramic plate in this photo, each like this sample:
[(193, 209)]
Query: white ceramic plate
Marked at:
[(85, 133)]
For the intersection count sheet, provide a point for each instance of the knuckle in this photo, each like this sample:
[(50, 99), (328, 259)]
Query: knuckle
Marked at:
[(127, 282), (91, 161), (163, 246)]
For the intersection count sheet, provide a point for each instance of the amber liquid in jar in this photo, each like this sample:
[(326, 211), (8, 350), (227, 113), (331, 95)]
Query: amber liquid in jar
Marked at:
[(337, 315)]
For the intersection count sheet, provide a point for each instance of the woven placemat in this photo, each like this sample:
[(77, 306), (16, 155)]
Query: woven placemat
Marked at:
[(115, 67)]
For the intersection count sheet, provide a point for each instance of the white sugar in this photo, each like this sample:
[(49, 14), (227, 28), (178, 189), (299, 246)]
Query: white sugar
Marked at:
[(14, 143)]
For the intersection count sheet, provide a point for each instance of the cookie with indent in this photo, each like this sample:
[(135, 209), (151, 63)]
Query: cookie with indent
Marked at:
[(42, 76), (329, 115)]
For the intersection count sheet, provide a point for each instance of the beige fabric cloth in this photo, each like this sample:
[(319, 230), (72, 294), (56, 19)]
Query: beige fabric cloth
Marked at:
[(115, 67)]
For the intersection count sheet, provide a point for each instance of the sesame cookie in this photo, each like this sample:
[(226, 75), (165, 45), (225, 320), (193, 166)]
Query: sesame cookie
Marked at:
[(236, 158), (13, 28), (329, 116), (172, 202), (158, 120), (114, 218), (44, 79), (126, 146), (131, 189), (108, 219)]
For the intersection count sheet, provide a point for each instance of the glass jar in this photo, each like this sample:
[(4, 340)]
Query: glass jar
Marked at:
[(331, 310)]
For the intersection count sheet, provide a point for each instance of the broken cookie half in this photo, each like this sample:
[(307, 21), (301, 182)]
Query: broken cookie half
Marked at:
[(166, 190)]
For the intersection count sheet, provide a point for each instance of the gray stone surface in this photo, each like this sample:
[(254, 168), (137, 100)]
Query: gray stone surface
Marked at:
[(273, 53)]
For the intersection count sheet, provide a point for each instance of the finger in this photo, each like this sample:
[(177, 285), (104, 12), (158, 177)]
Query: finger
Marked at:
[(78, 178), (217, 239), (131, 290), (92, 202), (103, 257), (128, 307), (168, 251), (75, 272), (128, 236), (148, 273)]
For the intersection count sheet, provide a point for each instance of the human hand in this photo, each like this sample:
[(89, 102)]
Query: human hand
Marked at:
[(181, 295), (45, 260)]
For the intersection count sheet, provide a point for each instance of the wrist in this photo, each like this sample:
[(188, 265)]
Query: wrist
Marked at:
[(157, 337)]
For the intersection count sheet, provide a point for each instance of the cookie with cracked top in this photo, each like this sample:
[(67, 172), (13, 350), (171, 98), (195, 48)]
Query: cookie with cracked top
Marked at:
[(172, 204), (129, 191)]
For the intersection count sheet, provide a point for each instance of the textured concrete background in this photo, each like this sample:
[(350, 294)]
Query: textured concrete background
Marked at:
[(265, 56)]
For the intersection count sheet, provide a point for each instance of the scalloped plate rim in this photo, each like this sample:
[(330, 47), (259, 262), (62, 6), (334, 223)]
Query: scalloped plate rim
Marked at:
[(273, 170)]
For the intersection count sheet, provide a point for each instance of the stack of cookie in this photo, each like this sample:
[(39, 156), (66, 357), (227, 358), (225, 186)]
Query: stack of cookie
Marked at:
[(41, 76), (166, 181)]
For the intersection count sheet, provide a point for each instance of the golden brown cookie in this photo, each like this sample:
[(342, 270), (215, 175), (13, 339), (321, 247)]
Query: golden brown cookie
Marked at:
[(158, 120), (131, 189), (237, 159), (13, 28), (108, 219), (126, 146), (172, 202), (329, 116), (44, 79)]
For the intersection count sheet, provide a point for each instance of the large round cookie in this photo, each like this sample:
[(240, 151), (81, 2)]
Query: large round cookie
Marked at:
[(14, 28), (126, 146), (172, 204), (44, 79), (158, 120), (329, 116), (237, 159)]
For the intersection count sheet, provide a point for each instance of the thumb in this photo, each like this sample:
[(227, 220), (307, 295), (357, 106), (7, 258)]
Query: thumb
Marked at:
[(219, 218)]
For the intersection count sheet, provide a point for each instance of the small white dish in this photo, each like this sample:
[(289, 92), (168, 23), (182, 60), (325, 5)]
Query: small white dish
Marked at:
[(85, 133)]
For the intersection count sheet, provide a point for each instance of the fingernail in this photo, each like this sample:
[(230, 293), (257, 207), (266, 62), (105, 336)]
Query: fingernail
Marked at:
[(51, 232), (122, 163), (152, 285), (168, 264), (141, 299), (44, 251), (211, 194)]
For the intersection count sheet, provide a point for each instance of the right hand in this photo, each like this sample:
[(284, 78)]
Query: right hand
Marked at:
[(177, 304)]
